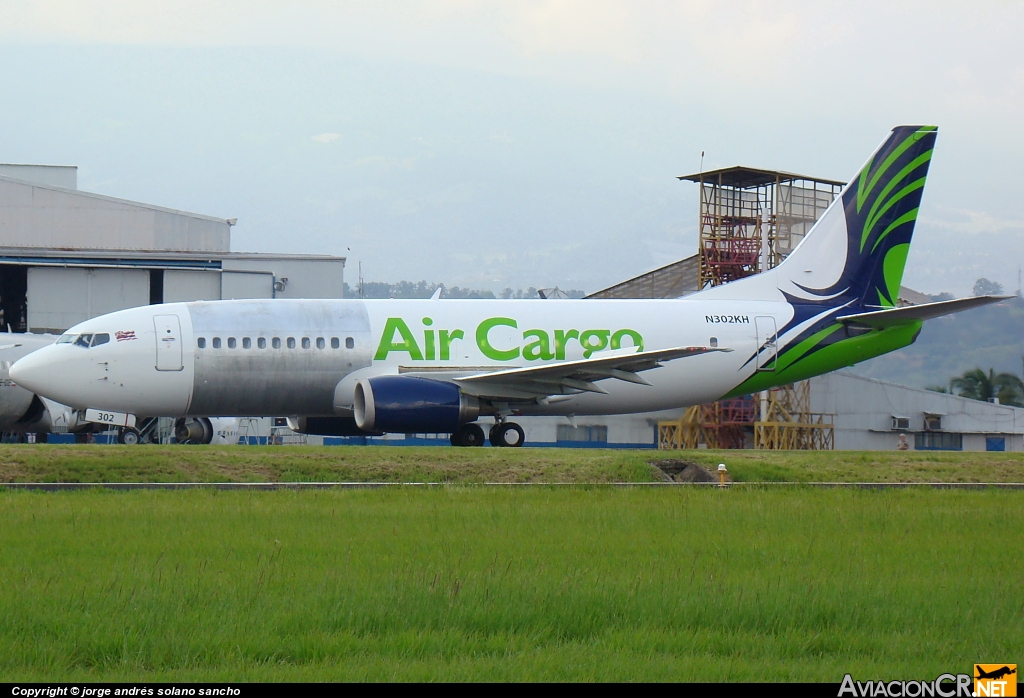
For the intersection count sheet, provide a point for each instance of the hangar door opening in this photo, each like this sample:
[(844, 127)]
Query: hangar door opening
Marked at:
[(168, 343), (13, 297)]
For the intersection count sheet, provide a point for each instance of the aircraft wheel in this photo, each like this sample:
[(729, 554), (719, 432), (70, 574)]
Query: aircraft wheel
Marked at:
[(468, 435), (128, 436), (507, 434)]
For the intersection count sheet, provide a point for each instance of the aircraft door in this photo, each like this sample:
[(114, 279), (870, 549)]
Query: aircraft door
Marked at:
[(168, 343), (767, 343)]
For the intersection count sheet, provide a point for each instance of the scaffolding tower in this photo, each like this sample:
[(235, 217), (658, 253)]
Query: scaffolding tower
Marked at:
[(750, 220), (787, 423), (722, 424)]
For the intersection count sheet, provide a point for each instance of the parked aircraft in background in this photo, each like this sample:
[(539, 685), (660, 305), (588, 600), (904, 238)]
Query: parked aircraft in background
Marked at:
[(21, 410), (358, 367)]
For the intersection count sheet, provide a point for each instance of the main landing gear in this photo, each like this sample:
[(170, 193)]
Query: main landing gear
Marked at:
[(507, 434), (468, 435)]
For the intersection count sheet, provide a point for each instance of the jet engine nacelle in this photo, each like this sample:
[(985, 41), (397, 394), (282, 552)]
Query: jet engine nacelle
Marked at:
[(411, 404), (194, 430)]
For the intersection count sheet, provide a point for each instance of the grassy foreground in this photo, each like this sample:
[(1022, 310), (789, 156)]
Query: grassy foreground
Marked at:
[(498, 584), (101, 463)]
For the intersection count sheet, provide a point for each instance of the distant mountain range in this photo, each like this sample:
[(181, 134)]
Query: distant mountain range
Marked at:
[(989, 337)]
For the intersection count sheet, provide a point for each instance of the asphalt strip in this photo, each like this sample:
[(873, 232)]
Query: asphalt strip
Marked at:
[(260, 486)]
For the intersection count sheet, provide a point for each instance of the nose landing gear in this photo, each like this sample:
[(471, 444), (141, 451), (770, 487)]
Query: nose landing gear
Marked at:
[(129, 436)]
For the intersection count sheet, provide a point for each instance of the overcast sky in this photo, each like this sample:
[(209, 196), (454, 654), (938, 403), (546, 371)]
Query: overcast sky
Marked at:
[(495, 144)]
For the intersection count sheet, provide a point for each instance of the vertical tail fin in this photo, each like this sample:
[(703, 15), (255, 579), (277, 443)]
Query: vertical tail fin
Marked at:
[(859, 247)]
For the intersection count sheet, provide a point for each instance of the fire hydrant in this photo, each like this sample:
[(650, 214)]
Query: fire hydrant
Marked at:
[(722, 472)]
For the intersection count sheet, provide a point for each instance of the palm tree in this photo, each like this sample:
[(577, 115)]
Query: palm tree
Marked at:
[(978, 385)]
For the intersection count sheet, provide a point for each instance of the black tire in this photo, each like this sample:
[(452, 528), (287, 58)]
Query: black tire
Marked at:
[(128, 436), (468, 435), (507, 434)]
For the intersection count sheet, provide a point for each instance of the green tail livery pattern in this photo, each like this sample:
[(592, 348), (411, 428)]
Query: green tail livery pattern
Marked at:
[(880, 208)]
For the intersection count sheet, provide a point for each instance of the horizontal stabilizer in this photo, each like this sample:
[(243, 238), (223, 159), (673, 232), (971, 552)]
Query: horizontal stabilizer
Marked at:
[(912, 313)]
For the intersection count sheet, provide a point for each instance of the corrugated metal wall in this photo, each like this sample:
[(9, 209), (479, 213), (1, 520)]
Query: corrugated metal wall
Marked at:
[(184, 286), (59, 298), (306, 278)]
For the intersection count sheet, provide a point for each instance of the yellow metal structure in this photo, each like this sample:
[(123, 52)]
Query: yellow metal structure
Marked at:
[(787, 423)]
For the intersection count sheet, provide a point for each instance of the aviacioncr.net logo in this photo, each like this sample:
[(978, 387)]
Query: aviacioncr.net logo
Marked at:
[(945, 686)]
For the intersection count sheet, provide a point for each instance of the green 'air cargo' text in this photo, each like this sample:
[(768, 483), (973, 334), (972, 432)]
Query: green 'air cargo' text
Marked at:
[(536, 344)]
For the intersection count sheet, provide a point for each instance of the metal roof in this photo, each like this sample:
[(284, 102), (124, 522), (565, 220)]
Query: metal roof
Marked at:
[(670, 281), (747, 177), (31, 256)]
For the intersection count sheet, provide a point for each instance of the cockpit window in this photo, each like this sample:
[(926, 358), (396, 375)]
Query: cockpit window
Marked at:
[(101, 338), (66, 339), (83, 340)]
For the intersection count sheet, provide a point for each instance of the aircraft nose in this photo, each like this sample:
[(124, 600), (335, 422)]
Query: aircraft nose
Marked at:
[(34, 372)]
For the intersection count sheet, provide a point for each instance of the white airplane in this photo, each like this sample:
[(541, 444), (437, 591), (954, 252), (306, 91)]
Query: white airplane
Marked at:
[(358, 367)]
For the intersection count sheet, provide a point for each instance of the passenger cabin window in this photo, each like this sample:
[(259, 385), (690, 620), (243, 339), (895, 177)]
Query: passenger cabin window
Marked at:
[(261, 342), (291, 342), (277, 342), (201, 342), (101, 338), (350, 343), (216, 342), (305, 342), (246, 343), (231, 342), (320, 343), (335, 343), (83, 340)]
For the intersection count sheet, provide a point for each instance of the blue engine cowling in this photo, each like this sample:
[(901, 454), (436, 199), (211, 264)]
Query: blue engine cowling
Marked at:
[(410, 404)]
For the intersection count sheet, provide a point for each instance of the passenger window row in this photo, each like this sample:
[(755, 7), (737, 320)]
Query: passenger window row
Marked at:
[(261, 342)]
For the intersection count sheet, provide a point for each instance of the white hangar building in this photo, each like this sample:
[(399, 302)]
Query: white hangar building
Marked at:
[(869, 415), (68, 255)]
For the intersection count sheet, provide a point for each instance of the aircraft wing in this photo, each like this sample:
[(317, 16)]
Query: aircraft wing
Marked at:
[(891, 317), (570, 377)]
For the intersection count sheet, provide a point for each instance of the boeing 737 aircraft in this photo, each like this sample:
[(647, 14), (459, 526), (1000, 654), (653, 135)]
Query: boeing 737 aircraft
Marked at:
[(358, 367)]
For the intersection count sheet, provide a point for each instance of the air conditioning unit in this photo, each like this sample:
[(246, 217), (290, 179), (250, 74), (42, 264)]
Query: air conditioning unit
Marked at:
[(932, 422), (900, 423)]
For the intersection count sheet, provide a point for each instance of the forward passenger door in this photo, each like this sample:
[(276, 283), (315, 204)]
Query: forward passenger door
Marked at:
[(168, 343)]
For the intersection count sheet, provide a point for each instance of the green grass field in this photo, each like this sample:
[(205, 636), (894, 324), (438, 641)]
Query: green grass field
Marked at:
[(100, 463), (507, 583)]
